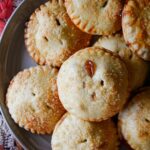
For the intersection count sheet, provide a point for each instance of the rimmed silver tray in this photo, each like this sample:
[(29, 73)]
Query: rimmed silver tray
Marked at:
[(13, 58)]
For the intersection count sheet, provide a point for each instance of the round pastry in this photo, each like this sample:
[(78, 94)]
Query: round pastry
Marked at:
[(72, 133), (134, 64), (95, 16), (32, 99), (134, 121), (136, 27), (93, 84), (50, 35)]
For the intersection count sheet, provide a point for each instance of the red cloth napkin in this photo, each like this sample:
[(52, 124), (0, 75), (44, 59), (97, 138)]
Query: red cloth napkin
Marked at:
[(6, 8), (2, 25)]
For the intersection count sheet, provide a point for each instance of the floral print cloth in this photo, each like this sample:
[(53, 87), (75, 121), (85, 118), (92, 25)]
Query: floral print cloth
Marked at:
[(6, 9)]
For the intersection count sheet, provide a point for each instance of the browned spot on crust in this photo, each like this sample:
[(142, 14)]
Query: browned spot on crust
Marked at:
[(90, 67), (83, 84), (79, 22), (93, 96), (103, 145), (92, 29), (141, 35), (84, 26), (143, 134)]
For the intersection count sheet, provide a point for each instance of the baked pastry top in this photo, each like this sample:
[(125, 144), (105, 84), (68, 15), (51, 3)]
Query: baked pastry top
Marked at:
[(101, 17), (72, 133), (51, 37), (134, 121), (93, 84), (32, 99), (135, 65), (136, 27)]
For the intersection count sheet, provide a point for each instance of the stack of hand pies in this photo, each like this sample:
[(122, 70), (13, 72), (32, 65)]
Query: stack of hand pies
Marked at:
[(79, 85)]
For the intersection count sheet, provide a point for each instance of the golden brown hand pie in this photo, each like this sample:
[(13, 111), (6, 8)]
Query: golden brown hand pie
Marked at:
[(134, 121), (33, 101), (100, 17), (136, 27), (72, 133), (50, 35), (93, 84)]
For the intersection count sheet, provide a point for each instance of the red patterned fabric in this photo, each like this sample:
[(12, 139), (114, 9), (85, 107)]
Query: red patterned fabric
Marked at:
[(6, 8), (2, 25)]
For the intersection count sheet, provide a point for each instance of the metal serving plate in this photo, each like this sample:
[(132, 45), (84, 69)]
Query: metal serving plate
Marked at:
[(14, 58)]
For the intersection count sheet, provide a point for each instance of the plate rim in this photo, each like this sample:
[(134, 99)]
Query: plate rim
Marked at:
[(4, 116)]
